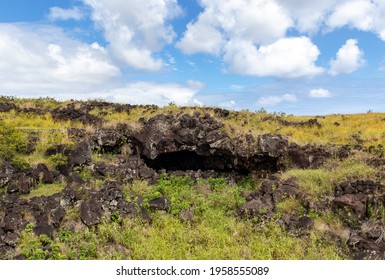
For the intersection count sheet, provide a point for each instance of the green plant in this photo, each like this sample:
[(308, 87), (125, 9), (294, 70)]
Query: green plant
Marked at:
[(58, 159), (116, 218), (30, 245), (13, 142)]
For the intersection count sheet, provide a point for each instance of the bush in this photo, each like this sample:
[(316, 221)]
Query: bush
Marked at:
[(12, 143), (58, 160)]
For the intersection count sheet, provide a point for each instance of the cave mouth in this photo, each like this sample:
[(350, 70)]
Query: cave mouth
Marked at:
[(189, 160), (223, 163)]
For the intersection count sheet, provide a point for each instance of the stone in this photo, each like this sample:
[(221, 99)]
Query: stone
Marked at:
[(356, 202), (75, 180), (6, 107), (285, 191), (42, 173), (45, 229), (11, 239), (273, 146), (12, 221), (262, 206), (6, 173), (159, 203), (91, 212)]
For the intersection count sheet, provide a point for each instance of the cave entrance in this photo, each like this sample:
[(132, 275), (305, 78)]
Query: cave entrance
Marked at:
[(188, 160)]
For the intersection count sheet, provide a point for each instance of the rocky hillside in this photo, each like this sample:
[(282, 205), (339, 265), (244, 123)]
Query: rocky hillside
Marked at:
[(96, 180)]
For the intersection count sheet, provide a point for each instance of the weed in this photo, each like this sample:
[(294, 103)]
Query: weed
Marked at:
[(45, 190)]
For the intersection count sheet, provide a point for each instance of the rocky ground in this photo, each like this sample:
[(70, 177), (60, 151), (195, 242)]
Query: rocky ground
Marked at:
[(193, 144)]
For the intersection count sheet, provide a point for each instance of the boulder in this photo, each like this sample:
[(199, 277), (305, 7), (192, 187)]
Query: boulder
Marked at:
[(44, 228), (11, 239), (159, 203), (262, 207), (6, 173), (307, 156), (91, 212), (356, 202), (12, 221), (6, 107), (42, 173)]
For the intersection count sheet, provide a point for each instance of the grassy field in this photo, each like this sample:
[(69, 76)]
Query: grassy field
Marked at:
[(214, 230)]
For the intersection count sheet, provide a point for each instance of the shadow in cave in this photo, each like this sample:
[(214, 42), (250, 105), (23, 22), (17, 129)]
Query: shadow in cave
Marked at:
[(188, 160)]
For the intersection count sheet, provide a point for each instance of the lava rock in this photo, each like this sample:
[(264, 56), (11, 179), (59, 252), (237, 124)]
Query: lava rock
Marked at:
[(356, 202), (159, 203), (91, 212), (41, 172)]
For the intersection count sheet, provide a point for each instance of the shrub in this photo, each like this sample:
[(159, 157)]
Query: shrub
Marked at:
[(13, 143), (58, 160)]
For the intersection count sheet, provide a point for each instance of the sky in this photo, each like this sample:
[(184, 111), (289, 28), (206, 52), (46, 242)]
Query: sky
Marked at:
[(294, 56)]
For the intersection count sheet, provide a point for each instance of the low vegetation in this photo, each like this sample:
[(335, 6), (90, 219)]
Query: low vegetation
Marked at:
[(203, 219)]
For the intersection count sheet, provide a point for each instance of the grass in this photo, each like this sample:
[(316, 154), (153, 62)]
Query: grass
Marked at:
[(216, 232), (45, 190), (335, 129), (316, 184)]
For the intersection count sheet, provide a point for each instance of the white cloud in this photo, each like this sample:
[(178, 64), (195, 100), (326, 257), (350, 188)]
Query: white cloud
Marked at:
[(356, 13), (251, 38), (251, 35), (136, 29), (197, 102), (228, 104), (57, 13), (274, 100), (197, 85), (287, 57), (201, 37), (151, 93), (309, 16), (259, 22), (319, 93), (364, 15), (313, 16), (41, 59), (348, 59)]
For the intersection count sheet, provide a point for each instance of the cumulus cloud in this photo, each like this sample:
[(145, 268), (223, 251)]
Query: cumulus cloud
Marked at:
[(136, 29), (242, 30), (274, 100), (43, 59), (319, 93), (360, 14), (287, 57), (308, 16), (228, 104), (143, 92), (259, 22), (313, 16), (251, 38), (348, 59), (201, 37), (57, 13), (356, 13)]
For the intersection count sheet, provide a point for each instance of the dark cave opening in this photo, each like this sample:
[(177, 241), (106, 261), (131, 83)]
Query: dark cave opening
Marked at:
[(189, 160)]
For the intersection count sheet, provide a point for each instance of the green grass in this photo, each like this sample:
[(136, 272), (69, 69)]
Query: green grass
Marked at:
[(45, 190), (316, 184), (216, 231)]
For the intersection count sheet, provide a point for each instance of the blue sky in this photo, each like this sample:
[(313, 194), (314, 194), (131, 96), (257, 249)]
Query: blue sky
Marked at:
[(295, 56)]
